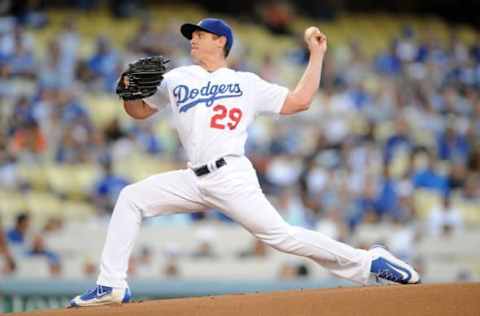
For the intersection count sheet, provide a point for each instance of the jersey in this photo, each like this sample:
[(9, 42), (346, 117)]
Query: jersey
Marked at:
[(212, 110)]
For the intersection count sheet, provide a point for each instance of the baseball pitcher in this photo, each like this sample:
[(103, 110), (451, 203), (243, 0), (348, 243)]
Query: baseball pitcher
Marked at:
[(212, 107)]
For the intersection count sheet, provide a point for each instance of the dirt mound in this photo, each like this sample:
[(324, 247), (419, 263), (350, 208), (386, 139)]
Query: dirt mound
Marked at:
[(432, 299)]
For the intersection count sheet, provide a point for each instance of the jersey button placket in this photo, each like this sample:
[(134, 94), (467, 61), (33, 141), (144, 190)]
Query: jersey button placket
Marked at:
[(200, 131), (195, 133)]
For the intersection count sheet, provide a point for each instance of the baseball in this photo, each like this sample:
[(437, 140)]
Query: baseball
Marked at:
[(310, 31)]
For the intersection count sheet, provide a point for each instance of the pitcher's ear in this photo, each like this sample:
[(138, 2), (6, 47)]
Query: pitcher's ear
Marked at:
[(223, 41)]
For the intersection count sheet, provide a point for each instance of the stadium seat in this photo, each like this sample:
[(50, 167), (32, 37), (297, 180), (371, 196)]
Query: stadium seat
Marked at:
[(12, 203), (77, 210), (43, 204), (104, 107), (73, 180), (257, 269), (33, 268), (34, 174), (424, 201), (470, 212)]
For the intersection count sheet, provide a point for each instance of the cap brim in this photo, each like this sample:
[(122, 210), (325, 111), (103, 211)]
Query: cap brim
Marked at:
[(187, 29)]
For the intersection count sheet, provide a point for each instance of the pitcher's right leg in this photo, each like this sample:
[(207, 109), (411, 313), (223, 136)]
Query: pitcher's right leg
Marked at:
[(258, 216), (236, 191)]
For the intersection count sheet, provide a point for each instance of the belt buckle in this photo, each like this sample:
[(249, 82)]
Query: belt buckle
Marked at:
[(210, 167)]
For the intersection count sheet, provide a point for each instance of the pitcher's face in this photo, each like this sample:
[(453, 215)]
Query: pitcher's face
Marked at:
[(205, 44)]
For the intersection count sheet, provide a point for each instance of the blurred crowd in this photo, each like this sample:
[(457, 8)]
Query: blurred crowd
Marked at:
[(380, 130)]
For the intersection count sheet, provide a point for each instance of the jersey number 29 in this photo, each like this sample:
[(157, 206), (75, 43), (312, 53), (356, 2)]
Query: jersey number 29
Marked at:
[(221, 111)]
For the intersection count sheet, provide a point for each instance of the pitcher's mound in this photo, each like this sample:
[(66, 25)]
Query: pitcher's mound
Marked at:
[(432, 299)]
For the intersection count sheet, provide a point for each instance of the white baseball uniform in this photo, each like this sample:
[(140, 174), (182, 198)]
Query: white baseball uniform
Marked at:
[(212, 111)]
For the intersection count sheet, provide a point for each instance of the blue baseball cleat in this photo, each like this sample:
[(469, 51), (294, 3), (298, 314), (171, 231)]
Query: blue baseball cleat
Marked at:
[(102, 295), (387, 267)]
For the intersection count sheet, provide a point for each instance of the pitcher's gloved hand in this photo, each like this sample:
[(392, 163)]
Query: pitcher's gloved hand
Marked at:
[(142, 78)]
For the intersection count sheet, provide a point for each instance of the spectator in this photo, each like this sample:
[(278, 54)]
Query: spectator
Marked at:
[(365, 210), (452, 145), (401, 240), (73, 147), (9, 174), (387, 62), (7, 91), (277, 17), (104, 63), (7, 43), (268, 71), (360, 97), (300, 54), (474, 159), (471, 189), (387, 198), (89, 269), (205, 244), (18, 234), (22, 63), (144, 261), (108, 188), (171, 269), (406, 211), (457, 175), (258, 249), (445, 219), (398, 142), (145, 136), (293, 270), (68, 43), (428, 178), (113, 131), (132, 266), (406, 47), (53, 225), (72, 110), (30, 13), (76, 139), (14, 36), (9, 265), (146, 41), (464, 275), (204, 249), (22, 114), (55, 72), (146, 256), (38, 248), (295, 210), (28, 139)]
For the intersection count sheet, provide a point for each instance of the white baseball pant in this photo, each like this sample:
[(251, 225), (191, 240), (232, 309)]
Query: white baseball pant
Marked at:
[(234, 189)]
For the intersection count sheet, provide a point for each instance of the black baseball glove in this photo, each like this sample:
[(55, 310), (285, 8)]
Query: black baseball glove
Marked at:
[(141, 78)]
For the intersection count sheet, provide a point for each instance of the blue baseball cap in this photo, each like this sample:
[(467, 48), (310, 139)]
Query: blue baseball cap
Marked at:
[(210, 25)]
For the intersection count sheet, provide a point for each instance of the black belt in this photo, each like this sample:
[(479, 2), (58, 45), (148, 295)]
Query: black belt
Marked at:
[(203, 170)]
